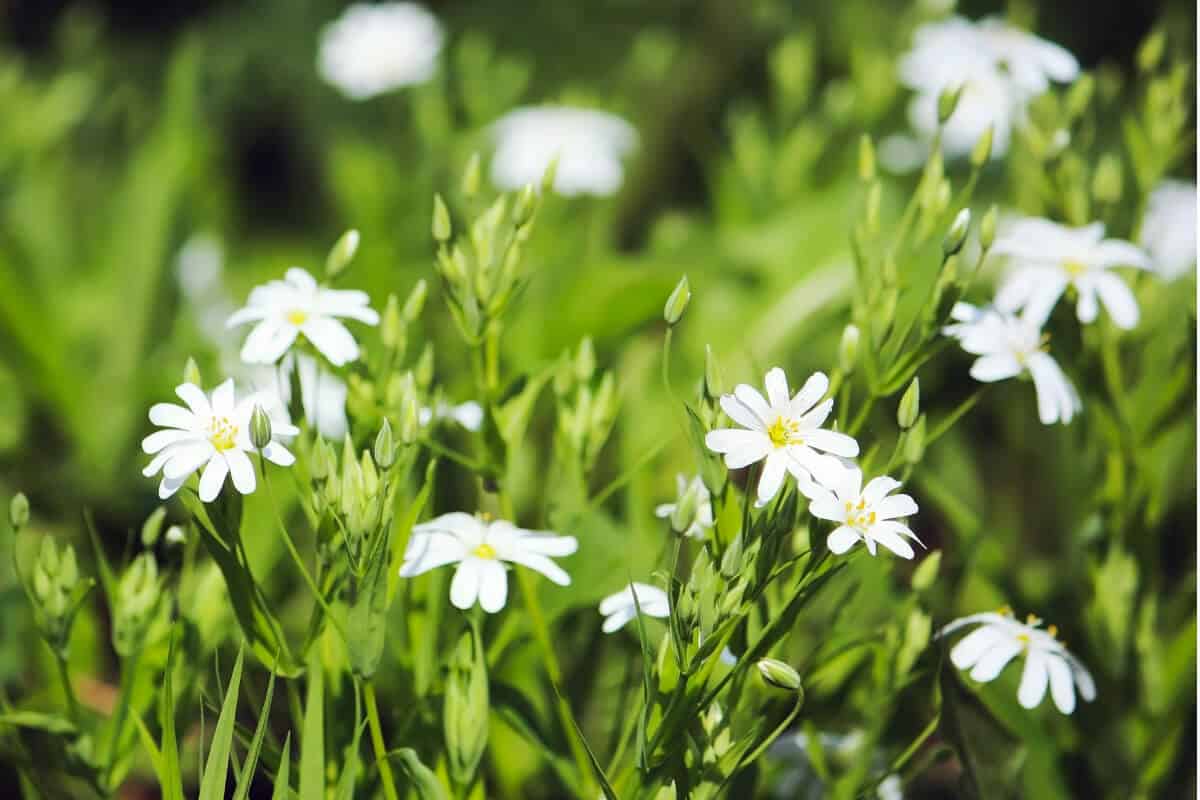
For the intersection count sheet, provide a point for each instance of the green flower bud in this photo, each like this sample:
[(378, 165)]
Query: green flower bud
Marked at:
[(678, 301), (549, 176), (191, 373), (341, 254), (874, 201), (441, 220), (424, 368), (987, 228), (153, 526), (731, 561), (948, 102), (779, 675), (137, 596), (983, 148), (585, 360), (323, 462), (391, 326), (848, 349), (926, 572), (385, 449), (175, 535), (866, 158), (914, 441), (471, 176), (416, 301), (1107, 180), (910, 405), (525, 206), (685, 509), (713, 379), (260, 428), (957, 235), (1150, 54), (1079, 96), (18, 511), (465, 711)]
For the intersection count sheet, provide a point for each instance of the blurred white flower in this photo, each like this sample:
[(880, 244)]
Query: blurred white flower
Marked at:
[(890, 788), (372, 49), (1000, 638), (213, 433), (481, 549), (619, 608), (588, 145), (1047, 257), (868, 514), (299, 305), (322, 393), (468, 414), (1009, 345), (1169, 228), (785, 433), (702, 517)]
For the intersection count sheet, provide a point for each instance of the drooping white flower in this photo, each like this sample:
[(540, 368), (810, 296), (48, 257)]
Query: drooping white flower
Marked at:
[(481, 548), (1009, 345), (372, 49), (298, 305), (588, 145), (213, 433), (869, 514), (1169, 228), (468, 414), (1000, 638), (702, 517), (785, 433), (1047, 257), (619, 608), (322, 393)]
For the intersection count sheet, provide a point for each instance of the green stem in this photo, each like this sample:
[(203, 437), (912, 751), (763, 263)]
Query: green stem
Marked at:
[(72, 702), (666, 362), (954, 416), (861, 418), (381, 761), (128, 676)]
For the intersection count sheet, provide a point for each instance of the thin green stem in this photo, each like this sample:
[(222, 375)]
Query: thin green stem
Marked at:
[(381, 761), (60, 661), (453, 455), (128, 676), (954, 416)]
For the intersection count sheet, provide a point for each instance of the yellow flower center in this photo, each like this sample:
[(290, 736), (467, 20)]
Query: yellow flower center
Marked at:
[(1074, 268), (297, 317), (484, 550), (222, 433), (1023, 638), (783, 432), (857, 515)]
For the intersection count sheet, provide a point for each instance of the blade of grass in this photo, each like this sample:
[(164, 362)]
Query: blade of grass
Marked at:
[(243, 785), (281, 791), (312, 740), (216, 768)]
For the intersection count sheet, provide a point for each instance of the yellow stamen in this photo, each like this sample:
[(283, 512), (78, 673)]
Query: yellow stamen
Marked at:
[(222, 433), (849, 506), (1005, 610), (1052, 630), (1074, 268), (297, 317), (484, 550), (783, 432), (1030, 619)]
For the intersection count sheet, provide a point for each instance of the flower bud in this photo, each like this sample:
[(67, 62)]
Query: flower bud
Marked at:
[(866, 158), (525, 205), (982, 150), (416, 301), (686, 506), (385, 450), (323, 462), (391, 326), (441, 220), (926, 572), (779, 674), (987, 228), (1106, 182), (260, 428), (191, 373), (465, 711), (910, 405), (713, 379), (678, 301), (152, 527), (948, 102), (957, 235), (1079, 96), (585, 360), (18, 511), (175, 535), (471, 177), (848, 349), (137, 596), (914, 442), (1150, 54), (424, 369), (549, 176), (341, 254)]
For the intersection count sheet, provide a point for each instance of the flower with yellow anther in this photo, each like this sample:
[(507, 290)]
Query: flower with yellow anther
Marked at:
[(869, 514)]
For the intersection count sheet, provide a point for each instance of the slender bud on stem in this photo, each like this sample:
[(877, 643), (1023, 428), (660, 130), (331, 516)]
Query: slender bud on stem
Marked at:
[(341, 254), (416, 301), (18, 511), (957, 235), (779, 674), (471, 177), (260, 428), (385, 449), (713, 380), (848, 349), (987, 228), (678, 301), (441, 220), (983, 148), (191, 373), (866, 159), (947, 102), (910, 405)]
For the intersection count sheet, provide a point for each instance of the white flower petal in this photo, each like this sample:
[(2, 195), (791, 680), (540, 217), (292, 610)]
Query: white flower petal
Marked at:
[(777, 388), (278, 454), (839, 444), (996, 367), (160, 440), (973, 646), (213, 478), (813, 390), (268, 341), (1056, 397), (896, 506), (186, 459), (223, 399), (750, 398), (241, 470), (426, 551), (169, 415), (331, 338), (740, 447), (493, 586), (1033, 680), (464, 587), (195, 398), (615, 620), (1118, 300), (879, 488), (1062, 687), (773, 473), (842, 539), (996, 658), (891, 540)]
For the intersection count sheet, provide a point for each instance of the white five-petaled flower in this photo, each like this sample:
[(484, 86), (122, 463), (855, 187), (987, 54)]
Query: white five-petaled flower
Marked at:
[(1169, 228), (785, 433), (869, 514), (1048, 257), (588, 146), (619, 608), (468, 414), (213, 433), (1009, 345), (481, 548), (298, 305), (372, 49), (1000, 638), (702, 517)]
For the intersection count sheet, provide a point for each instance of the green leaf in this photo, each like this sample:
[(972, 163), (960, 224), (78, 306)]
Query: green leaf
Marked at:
[(243, 785), (216, 768), (36, 720), (605, 785), (312, 742), (285, 763), (171, 777), (422, 778)]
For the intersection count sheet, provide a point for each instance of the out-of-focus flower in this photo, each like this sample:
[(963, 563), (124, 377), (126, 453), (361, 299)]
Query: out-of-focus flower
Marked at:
[(619, 608), (868, 514), (701, 518), (283, 310), (783, 432), (1009, 345), (481, 549), (322, 393), (468, 414), (587, 145), (1169, 228), (213, 433), (1047, 257), (1000, 638), (372, 49)]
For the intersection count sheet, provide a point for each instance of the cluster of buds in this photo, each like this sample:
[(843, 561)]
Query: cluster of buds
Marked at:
[(137, 604), (57, 592), (358, 492), (587, 407)]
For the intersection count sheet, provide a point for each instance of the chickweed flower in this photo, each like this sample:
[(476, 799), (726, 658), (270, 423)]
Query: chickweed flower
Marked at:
[(587, 145), (619, 608), (481, 548), (372, 49), (299, 305), (785, 433), (695, 494), (212, 433), (1000, 638), (868, 514), (1169, 228), (468, 414), (1048, 257), (1009, 345)]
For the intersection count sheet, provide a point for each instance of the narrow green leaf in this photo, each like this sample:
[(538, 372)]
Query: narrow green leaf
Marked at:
[(605, 786), (312, 742), (216, 768), (36, 720), (243, 786), (172, 778), (285, 764), (424, 782)]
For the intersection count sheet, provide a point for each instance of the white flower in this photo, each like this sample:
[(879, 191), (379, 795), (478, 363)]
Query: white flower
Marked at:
[(1048, 257), (213, 433), (481, 548), (869, 514), (1000, 638), (1169, 228), (702, 519), (1009, 345), (372, 49), (784, 432), (588, 145), (468, 414), (619, 608), (299, 305), (322, 394)]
